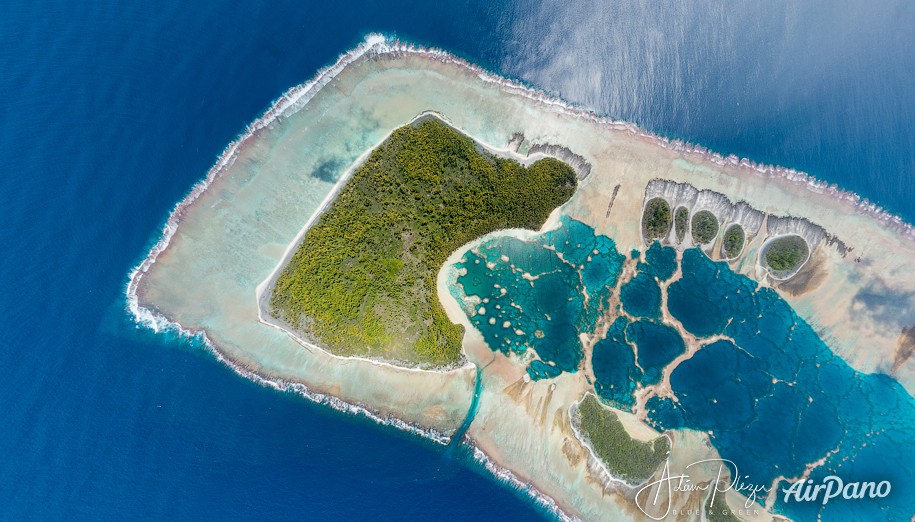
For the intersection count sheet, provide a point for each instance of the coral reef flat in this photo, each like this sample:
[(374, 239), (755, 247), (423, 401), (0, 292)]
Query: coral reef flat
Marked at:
[(849, 309)]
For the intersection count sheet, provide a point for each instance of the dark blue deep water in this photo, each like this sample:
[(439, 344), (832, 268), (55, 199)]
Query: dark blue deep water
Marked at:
[(109, 111)]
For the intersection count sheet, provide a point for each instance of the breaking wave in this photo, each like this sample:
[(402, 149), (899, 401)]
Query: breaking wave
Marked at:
[(377, 46)]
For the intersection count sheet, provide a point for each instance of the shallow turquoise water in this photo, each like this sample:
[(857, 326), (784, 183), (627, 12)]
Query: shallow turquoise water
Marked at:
[(615, 373), (657, 344), (541, 370), (783, 399), (541, 293), (619, 371), (660, 261), (641, 296), (772, 401), (113, 110)]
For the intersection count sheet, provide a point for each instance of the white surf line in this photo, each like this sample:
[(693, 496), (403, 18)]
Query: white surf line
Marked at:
[(506, 475), (293, 247), (607, 477), (860, 204), (297, 97), (290, 102)]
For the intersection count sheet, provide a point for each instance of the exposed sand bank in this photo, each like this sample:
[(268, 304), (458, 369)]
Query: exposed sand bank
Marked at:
[(234, 229)]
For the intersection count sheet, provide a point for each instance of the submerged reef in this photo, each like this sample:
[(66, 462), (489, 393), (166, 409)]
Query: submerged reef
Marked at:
[(233, 228), (776, 400), (540, 293), (657, 344), (765, 388), (616, 375)]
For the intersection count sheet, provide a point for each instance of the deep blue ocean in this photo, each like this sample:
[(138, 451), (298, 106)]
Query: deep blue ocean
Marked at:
[(110, 111)]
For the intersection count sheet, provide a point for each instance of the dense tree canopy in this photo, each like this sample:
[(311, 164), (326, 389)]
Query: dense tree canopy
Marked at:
[(631, 460), (363, 280), (734, 239), (681, 223), (656, 219), (704, 227), (786, 253)]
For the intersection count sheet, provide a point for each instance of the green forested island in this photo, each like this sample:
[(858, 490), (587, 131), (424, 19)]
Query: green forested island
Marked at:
[(704, 227), (681, 223), (656, 219), (631, 460), (734, 239), (363, 279), (786, 253)]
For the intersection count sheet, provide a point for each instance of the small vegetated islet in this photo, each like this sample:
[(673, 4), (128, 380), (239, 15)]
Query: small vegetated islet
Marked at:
[(734, 240), (681, 223), (704, 227), (363, 279), (656, 219), (631, 460), (786, 253)]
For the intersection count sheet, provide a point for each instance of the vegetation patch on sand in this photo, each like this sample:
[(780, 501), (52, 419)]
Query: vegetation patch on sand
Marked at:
[(656, 219), (627, 459), (704, 227), (363, 280), (681, 223), (785, 253), (718, 510), (734, 239)]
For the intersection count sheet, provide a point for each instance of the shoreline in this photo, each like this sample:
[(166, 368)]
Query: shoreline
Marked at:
[(507, 476), (592, 453), (294, 99), (376, 44), (277, 109), (284, 386), (263, 289), (859, 203)]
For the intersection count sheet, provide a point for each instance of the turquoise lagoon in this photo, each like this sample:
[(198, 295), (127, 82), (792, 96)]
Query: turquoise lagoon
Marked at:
[(771, 395), (540, 294)]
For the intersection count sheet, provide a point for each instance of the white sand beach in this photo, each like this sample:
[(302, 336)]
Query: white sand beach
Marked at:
[(227, 238)]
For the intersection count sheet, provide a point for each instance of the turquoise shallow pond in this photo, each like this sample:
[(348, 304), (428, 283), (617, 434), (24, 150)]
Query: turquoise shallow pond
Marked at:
[(540, 294), (773, 399), (658, 345), (615, 373), (780, 399), (113, 110), (641, 295)]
